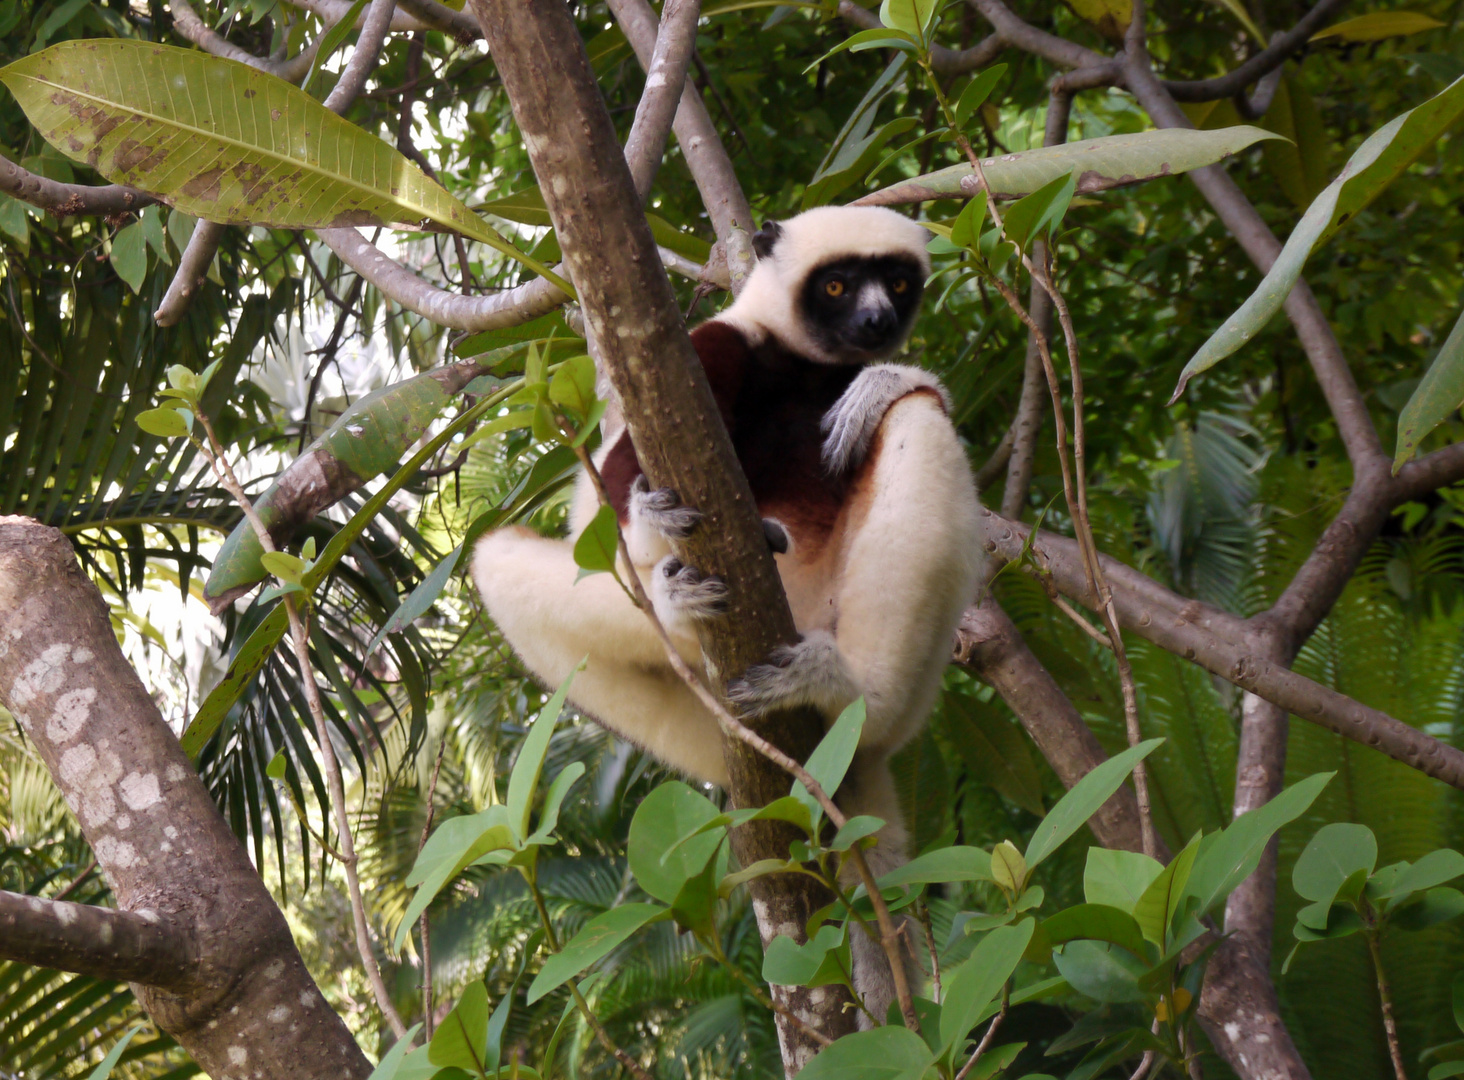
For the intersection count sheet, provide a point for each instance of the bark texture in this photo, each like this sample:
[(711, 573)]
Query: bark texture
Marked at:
[(230, 985), (669, 410)]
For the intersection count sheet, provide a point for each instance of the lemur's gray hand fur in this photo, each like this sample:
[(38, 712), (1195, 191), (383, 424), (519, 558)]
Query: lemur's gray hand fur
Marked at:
[(661, 510), (681, 594), (850, 425), (809, 673)]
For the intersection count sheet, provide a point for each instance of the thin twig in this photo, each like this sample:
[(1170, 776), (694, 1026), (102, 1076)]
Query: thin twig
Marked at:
[(230, 483), (1385, 1000), (1145, 1064), (985, 1042), (923, 915), (889, 934), (86, 872)]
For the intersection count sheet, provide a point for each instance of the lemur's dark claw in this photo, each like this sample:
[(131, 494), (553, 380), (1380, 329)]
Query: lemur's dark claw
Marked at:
[(777, 536)]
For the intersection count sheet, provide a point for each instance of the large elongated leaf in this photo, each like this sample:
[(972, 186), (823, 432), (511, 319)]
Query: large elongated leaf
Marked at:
[(1372, 167), (1110, 162), (222, 141)]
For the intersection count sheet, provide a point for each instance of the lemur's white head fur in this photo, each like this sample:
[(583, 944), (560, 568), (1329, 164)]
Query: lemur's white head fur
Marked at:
[(770, 305)]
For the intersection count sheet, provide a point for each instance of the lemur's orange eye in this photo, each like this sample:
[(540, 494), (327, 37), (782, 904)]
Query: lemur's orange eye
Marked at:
[(834, 288), (899, 285)]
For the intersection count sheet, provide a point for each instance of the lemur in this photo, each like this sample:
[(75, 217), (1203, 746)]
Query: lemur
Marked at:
[(867, 500)]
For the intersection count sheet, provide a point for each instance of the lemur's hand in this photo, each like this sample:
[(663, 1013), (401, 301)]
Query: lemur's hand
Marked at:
[(682, 595), (850, 425), (661, 510), (811, 672)]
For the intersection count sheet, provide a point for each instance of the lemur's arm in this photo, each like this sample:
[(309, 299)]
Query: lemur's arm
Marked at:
[(909, 569), (850, 426)]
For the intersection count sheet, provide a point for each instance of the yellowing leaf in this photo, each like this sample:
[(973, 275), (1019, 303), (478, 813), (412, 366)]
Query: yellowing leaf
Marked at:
[(1377, 25), (224, 142), (1111, 17)]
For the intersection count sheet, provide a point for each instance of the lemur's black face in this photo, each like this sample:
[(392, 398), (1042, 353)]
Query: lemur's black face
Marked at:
[(861, 308)]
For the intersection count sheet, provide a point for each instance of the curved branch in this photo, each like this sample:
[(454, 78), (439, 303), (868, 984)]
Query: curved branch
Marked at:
[(1023, 35), (414, 15), (1263, 62), (1247, 663), (363, 59), (64, 200), (126, 946), (188, 24)]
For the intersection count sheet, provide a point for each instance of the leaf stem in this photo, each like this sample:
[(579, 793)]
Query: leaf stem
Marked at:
[(1385, 999)]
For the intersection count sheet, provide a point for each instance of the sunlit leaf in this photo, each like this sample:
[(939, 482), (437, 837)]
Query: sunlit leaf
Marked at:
[(1377, 25), (1439, 394)]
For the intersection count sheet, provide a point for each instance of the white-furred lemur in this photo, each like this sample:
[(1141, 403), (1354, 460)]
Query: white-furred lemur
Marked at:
[(868, 502)]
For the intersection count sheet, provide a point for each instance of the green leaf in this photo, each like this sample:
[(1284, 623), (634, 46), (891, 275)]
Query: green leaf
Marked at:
[(1101, 970), (883, 1053), (1439, 395), (1371, 168), (1008, 867), (596, 940), (544, 328), (869, 39), (14, 221), (976, 93), (976, 982), (419, 600), (277, 767), (1031, 218), (553, 800), (151, 219), (1377, 25), (60, 15), (1108, 162), (455, 844), (333, 39), (166, 423), (761, 868), (283, 565), (461, 1040), (1083, 801), (595, 548), (1458, 1000), (1331, 857), (391, 1061), (664, 817), (1435, 868), (129, 256), (818, 962), (108, 1063), (966, 230), (831, 757), (1233, 857), (573, 386), (914, 17), (1446, 1069), (523, 781), (242, 669), (1097, 922), (854, 830), (1155, 910), (695, 906), (231, 164), (1434, 907), (944, 864), (1118, 878)]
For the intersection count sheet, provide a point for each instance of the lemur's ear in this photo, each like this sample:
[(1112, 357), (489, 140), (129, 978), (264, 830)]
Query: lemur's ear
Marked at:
[(764, 239)]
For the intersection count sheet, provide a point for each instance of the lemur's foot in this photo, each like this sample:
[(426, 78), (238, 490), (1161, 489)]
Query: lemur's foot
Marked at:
[(809, 673), (681, 592), (661, 510), (850, 425)]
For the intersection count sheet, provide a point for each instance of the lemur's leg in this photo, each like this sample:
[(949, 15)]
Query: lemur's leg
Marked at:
[(528, 584), (909, 570), (850, 425)]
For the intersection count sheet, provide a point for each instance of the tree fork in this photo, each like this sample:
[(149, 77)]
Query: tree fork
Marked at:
[(673, 421)]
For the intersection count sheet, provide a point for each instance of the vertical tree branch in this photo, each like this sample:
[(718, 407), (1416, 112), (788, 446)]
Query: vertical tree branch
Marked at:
[(669, 409)]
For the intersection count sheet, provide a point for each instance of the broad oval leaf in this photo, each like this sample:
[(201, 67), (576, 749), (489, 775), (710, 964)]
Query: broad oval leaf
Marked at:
[(390, 1065), (129, 256), (1435, 868), (593, 943), (1439, 394), (1109, 162), (1100, 970), (975, 984), (1097, 922), (1118, 878), (1372, 167), (664, 817), (461, 1039), (1332, 856), (787, 963), (595, 548), (959, 863), (225, 142), (831, 757)]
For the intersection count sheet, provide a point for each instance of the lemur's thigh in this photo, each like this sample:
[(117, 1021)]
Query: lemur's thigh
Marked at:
[(910, 566)]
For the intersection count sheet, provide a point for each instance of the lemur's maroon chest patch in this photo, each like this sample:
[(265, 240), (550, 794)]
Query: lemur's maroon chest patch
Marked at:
[(772, 402)]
